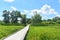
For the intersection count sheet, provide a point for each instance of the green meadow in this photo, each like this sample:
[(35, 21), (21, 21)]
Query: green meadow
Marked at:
[(8, 30), (46, 29), (43, 33)]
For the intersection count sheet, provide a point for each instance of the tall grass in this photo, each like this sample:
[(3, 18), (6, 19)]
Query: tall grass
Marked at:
[(44, 33), (7, 30)]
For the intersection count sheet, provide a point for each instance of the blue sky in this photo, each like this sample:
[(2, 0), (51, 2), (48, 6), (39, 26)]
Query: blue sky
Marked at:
[(46, 8)]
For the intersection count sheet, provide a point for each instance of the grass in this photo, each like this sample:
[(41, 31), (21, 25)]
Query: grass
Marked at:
[(43, 33), (7, 30)]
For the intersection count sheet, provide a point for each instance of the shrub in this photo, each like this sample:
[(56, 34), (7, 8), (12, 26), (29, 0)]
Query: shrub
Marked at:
[(58, 21)]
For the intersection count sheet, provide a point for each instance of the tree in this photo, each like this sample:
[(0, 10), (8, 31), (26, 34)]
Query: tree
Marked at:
[(28, 20), (58, 21), (18, 14), (56, 18), (14, 16), (23, 19), (6, 16), (36, 18), (49, 20)]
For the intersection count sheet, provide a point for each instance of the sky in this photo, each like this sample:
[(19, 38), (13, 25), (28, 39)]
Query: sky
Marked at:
[(46, 8)]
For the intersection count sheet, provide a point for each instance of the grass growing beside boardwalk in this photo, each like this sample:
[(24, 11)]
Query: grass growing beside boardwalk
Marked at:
[(7, 30), (44, 33)]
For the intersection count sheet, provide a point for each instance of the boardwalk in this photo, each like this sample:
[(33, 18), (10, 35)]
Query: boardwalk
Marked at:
[(19, 35)]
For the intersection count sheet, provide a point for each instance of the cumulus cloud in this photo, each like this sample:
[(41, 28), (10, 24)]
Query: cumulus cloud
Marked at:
[(9, 0), (44, 10), (13, 8)]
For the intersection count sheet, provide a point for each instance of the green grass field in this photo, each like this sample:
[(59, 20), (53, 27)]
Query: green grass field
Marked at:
[(7, 30), (43, 33)]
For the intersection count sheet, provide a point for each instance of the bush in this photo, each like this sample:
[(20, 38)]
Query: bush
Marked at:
[(35, 24), (38, 24), (48, 23), (58, 21), (11, 24)]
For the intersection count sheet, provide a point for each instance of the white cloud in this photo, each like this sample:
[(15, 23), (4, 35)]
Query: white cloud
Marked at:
[(9, 0), (13, 8), (58, 15), (23, 13), (45, 10), (26, 11), (59, 0), (36, 10)]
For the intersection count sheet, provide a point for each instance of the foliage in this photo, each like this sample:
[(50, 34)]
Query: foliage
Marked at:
[(6, 16), (28, 20), (11, 17), (56, 18), (14, 16), (36, 19), (23, 19), (58, 21)]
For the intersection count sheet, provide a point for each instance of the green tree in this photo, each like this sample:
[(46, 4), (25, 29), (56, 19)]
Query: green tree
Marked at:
[(28, 20), (58, 21), (14, 16), (6, 16), (36, 19), (23, 19), (56, 18), (49, 20), (18, 15)]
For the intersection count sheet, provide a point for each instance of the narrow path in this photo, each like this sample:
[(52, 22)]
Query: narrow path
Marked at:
[(20, 35)]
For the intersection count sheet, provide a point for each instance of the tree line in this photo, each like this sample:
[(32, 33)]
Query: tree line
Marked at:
[(13, 16)]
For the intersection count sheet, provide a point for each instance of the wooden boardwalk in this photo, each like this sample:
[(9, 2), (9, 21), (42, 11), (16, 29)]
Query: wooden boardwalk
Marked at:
[(20, 35)]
